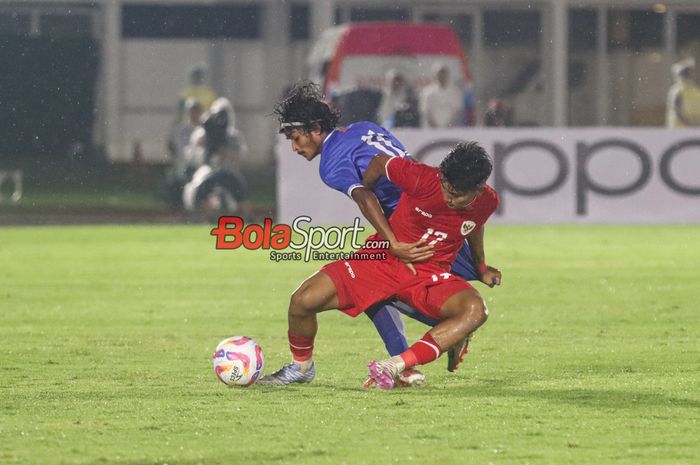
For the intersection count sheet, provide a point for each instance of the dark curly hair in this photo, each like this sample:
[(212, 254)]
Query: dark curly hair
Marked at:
[(466, 167), (304, 108)]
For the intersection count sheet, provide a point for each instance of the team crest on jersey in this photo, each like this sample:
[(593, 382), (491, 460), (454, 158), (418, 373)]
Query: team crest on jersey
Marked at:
[(467, 227)]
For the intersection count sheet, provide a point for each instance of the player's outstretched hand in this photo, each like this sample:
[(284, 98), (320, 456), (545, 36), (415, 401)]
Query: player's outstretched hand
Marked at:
[(492, 277), (411, 252)]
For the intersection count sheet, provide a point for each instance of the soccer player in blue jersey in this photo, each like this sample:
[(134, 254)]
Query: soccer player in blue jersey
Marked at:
[(311, 126)]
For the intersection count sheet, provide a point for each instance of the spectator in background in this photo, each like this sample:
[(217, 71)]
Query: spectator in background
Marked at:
[(683, 104), (217, 140), (498, 114), (178, 173), (441, 102), (399, 107), (184, 131), (469, 103), (197, 91), (215, 151)]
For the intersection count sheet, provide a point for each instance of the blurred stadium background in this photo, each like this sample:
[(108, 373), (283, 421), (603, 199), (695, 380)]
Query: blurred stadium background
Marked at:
[(89, 88)]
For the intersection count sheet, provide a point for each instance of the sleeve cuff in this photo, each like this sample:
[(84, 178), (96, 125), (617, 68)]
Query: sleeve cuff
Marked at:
[(352, 188), (386, 167)]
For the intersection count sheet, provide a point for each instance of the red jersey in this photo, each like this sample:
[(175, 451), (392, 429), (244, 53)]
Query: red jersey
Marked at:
[(423, 213)]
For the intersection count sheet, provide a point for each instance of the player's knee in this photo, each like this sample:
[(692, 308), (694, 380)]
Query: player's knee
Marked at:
[(301, 301), (475, 310)]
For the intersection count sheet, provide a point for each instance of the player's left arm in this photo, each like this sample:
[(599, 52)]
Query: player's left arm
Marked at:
[(372, 210), (369, 205), (344, 178), (413, 178), (488, 274)]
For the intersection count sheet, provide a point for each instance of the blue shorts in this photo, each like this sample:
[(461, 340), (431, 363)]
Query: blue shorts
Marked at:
[(463, 265)]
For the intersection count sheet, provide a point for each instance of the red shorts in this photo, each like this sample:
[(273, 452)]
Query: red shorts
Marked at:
[(362, 283)]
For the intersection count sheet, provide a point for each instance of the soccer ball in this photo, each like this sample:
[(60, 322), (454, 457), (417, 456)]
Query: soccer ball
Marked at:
[(238, 361)]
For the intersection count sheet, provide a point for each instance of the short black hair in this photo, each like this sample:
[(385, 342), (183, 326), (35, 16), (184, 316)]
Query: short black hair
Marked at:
[(466, 167), (304, 108)]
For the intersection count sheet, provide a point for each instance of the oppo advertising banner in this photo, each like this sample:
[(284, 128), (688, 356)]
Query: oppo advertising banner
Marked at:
[(543, 175)]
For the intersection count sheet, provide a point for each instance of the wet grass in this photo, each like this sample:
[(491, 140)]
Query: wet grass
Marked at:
[(591, 355)]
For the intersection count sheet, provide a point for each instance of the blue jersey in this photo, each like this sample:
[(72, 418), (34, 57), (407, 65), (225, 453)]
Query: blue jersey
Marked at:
[(346, 154)]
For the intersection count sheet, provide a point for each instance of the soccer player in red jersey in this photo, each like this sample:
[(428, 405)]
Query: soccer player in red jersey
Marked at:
[(439, 206)]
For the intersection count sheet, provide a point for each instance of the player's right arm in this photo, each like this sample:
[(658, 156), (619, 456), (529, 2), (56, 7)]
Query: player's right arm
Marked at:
[(487, 274)]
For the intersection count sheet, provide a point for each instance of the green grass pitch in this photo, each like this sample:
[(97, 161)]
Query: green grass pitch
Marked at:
[(591, 355)]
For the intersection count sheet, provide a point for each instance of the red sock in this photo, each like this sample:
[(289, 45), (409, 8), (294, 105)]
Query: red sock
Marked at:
[(301, 346), (424, 351)]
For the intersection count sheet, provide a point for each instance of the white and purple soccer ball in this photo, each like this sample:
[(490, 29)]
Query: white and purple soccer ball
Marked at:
[(238, 361)]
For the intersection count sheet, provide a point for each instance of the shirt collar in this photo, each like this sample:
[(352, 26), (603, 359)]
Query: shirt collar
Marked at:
[(328, 136)]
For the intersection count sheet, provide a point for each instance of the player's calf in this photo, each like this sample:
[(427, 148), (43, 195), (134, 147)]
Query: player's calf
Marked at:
[(302, 321), (314, 295), (456, 353), (473, 315)]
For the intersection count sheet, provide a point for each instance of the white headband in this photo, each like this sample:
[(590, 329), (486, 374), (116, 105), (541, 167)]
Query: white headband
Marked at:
[(292, 124)]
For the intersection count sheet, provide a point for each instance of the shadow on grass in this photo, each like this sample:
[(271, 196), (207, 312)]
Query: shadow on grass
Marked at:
[(293, 456), (592, 398), (508, 388)]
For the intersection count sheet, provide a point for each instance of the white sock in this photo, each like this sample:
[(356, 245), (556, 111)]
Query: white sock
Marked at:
[(398, 361), (305, 365)]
